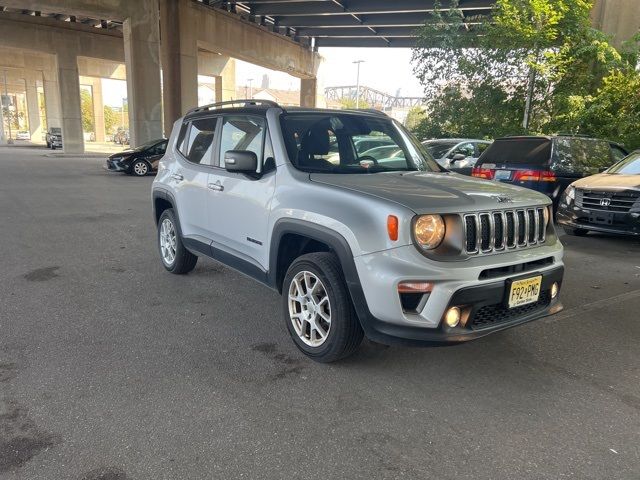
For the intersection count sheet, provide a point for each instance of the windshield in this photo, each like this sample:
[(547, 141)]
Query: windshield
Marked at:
[(627, 166), (333, 143), (56, 131), (439, 149)]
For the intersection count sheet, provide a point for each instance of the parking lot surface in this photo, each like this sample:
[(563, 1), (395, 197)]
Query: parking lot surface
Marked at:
[(112, 368)]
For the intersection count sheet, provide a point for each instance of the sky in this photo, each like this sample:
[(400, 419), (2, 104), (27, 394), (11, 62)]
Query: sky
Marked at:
[(385, 69)]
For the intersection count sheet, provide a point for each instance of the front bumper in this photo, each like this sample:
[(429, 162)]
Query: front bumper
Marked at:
[(573, 216), (478, 285), (115, 165)]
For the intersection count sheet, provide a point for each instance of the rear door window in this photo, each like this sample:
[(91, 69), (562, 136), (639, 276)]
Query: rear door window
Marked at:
[(580, 155), (525, 151)]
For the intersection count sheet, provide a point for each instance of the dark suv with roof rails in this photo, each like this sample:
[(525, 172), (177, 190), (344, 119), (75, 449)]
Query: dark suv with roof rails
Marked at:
[(547, 164)]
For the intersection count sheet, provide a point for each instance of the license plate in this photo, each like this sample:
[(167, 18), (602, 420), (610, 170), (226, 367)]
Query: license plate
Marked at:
[(502, 175), (602, 218), (525, 291)]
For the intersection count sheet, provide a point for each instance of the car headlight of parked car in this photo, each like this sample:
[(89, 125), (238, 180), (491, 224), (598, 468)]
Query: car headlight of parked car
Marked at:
[(428, 231), (570, 194), (117, 159)]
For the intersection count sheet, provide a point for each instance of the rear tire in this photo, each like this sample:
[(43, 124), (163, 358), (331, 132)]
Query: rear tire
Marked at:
[(175, 257), (576, 232), (314, 291)]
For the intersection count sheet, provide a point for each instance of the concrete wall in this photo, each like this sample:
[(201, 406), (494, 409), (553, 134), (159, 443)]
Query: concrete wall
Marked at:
[(619, 18)]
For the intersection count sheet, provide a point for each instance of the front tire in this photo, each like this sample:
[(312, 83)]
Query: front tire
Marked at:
[(140, 168), (576, 232), (175, 257), (317, 308)]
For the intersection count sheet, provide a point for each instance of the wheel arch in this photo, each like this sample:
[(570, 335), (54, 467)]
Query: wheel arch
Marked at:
[(162, 201), (319, 235)]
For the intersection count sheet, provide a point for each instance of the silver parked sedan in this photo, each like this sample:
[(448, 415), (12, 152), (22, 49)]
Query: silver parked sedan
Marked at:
[(457, 154)]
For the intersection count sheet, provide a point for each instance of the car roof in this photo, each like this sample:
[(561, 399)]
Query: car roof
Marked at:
[(260, 107)]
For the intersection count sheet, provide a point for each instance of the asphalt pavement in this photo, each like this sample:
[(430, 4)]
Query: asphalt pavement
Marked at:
[(113, 369)]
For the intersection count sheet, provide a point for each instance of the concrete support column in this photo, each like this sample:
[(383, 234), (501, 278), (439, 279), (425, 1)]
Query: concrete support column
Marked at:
[(98, 108), (218, 87), (33, 110), (223, 69), (179, 53), (308, 92), (141, 52), (69, 82), (51, 100)]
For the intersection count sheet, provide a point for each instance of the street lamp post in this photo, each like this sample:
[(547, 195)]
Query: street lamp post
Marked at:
[(358, 62), (250, 80)]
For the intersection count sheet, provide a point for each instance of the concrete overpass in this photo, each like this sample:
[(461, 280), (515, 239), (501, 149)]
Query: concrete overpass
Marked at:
[(184, 38)]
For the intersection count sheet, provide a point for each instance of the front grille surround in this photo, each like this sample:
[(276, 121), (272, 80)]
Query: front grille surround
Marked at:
[(619, 201), (500, 230)]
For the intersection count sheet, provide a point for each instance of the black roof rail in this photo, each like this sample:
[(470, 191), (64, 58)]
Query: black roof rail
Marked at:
[(244, 103)]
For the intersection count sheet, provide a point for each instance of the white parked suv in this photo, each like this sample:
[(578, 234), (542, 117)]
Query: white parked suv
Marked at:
[(396, 248)]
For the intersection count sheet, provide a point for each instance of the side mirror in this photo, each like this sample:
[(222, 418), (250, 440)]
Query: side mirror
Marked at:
[(242, 161), (603, 169), (458, 157)]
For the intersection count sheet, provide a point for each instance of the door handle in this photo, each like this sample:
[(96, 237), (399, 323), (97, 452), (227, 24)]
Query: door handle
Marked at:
[(177, 176), (218, 187)]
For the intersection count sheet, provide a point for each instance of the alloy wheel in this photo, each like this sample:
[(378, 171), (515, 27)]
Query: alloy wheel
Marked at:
[(168, 242), (140, 168), (309, 308)]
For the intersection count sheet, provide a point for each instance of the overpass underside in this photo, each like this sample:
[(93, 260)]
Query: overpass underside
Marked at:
[(51, 48), (163, 45)]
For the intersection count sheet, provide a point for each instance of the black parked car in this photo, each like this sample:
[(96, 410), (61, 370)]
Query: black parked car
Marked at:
[(607, 202), (546, 164), (54, 138), (139, 161)]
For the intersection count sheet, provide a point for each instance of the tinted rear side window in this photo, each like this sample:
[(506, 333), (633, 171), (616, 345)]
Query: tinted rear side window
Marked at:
[(580, 155), (514, 151)]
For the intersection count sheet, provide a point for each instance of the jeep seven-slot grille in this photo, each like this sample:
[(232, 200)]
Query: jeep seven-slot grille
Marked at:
[(489, 232)]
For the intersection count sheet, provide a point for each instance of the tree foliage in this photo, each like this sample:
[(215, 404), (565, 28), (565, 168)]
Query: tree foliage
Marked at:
[(350, 103), (86, 107), (111, 119), (478, 75)]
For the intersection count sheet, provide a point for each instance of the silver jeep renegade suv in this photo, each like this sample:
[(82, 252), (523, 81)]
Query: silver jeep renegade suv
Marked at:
[(360, 230)]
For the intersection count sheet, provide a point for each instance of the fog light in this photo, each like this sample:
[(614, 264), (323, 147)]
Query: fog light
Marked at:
[(452, 318), (554, 290)]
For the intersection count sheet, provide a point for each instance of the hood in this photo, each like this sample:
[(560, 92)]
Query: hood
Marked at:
[(609, 181), (123, 153), (425, 192)]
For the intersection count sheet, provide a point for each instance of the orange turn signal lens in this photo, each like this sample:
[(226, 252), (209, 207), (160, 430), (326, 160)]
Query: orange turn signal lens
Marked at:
[(392, 227), (415, 287)]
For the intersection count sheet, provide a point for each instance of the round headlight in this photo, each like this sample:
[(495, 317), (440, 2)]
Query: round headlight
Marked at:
[(428, 231), (546, 215)]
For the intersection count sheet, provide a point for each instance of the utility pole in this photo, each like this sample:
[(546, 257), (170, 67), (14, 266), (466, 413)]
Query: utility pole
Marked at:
[(6, 95), (250, 80), (358, 62)]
